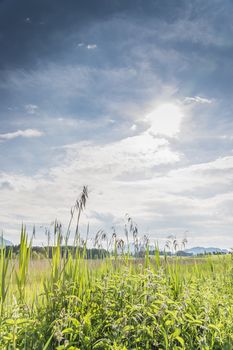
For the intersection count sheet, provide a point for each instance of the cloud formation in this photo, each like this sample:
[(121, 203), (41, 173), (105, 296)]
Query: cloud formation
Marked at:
[(91, 46), (135, 101), (28, 133), (197, 99), (31, 109), (191, 197)]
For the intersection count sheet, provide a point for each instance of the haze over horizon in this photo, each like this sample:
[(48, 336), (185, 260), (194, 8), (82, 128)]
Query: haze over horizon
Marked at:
[(133, 99)]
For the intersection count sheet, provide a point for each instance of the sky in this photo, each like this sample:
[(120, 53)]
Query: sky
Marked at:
[(132, 98)]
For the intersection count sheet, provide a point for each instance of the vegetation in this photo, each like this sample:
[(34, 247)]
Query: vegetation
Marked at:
[(118, 302)]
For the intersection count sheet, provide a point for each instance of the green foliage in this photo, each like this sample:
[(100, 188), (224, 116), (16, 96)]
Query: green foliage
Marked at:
[(67, 302), (24, 257), (5, 259), (153, 305)]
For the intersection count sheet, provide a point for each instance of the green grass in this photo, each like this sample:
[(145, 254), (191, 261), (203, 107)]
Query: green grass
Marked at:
[(120, 302), (116, 303)]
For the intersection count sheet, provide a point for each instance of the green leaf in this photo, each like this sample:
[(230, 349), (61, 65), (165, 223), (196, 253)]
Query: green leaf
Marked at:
[(67, 331), (180, 340), (48, 342)]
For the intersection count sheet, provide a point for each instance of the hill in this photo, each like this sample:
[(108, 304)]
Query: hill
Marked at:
[(205, 250)]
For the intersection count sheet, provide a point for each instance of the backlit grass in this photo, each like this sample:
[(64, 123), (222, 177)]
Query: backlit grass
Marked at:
[(118, 302)]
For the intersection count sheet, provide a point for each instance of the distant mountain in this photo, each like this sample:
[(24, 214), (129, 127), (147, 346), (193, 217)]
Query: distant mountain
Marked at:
[(186, 252), (5, 242), (204, 250)]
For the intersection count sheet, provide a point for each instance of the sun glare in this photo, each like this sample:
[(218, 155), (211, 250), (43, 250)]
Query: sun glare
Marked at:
[(165, 119)]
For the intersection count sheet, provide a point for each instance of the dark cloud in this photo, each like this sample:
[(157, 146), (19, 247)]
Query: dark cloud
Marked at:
[(32, 30)]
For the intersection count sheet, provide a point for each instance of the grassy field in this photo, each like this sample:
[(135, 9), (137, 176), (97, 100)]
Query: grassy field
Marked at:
[(115, 303), (119, 302)]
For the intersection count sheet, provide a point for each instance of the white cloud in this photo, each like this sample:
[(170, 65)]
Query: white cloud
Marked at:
[(69, 122), (91, 46), (101, 167), (31, 109), (162, 203), (133, 127), (27, 133), (128, 92), (197, 99)]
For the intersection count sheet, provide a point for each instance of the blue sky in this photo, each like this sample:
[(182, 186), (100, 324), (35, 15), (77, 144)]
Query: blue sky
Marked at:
[(133, 99)]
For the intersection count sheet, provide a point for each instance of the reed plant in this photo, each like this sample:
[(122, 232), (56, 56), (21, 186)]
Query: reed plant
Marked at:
[(122, 301)]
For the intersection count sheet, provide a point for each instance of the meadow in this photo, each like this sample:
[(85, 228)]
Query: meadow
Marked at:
[(120, 301)]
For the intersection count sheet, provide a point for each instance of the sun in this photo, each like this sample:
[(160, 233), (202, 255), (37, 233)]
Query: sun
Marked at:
[(165, 119)]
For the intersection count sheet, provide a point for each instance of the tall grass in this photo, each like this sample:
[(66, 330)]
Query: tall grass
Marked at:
[(119, 302), (21, 273), (5, 260)]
